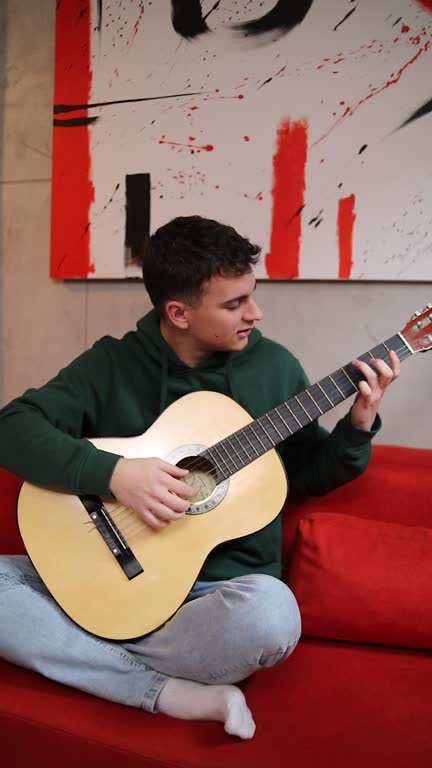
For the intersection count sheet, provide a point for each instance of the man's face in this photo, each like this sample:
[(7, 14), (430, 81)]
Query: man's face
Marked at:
[(226, 314)]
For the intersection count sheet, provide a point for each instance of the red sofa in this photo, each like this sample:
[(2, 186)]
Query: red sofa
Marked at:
[(357, 690)]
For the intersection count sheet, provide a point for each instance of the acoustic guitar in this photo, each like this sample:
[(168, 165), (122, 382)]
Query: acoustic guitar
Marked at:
[(118, 578)]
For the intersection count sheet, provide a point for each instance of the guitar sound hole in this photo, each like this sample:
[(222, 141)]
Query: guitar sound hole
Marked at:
[(201, 477)]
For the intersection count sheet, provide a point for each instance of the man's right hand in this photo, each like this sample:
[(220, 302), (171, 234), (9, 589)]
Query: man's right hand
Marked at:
[(153, 488)]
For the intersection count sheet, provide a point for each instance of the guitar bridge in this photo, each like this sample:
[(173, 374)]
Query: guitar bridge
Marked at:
[(111, 535)]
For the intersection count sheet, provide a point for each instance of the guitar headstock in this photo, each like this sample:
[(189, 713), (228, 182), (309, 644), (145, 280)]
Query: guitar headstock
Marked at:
[(418, 331)]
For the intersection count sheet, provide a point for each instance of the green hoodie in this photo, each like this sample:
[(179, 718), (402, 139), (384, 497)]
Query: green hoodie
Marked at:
[(120, 386)]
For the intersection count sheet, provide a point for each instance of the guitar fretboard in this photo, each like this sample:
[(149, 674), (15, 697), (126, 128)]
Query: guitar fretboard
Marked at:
[(244, 446)]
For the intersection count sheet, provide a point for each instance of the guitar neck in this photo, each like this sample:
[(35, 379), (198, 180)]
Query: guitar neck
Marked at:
[(244, 446)]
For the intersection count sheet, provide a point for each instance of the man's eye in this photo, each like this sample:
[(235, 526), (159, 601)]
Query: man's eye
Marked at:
[(234, 306)]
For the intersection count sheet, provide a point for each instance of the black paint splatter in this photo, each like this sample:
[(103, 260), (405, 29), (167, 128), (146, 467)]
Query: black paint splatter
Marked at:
[(362, 149), (75, 122), (111, 198), (189, 22), (421, 112), (216, 5), (283, 17), (99, 15), (187, 18), (344, 18), (62, 108), (266, 82), (317, 220)]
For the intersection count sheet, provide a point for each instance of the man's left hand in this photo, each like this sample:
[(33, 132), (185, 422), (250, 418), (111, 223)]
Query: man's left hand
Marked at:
[(372, 388)]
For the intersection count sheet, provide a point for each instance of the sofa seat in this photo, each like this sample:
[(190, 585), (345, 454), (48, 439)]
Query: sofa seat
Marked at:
[(332, 704)]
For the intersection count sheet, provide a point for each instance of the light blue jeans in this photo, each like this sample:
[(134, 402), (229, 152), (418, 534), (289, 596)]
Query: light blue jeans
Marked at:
[(223, 633)]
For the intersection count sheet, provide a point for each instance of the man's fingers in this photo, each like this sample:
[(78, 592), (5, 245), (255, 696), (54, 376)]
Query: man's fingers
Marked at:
[(180, 488), (151, 520), (376, 371), (173, 469), (176, 503)]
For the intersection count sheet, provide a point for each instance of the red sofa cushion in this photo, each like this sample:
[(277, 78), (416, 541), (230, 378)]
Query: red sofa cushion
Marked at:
[(364, 580), (385, 491)]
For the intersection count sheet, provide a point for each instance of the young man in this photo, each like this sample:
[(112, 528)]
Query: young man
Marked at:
[(201, 335)]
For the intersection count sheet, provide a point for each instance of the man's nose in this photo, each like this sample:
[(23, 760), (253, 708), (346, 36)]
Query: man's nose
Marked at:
[(253, 311)]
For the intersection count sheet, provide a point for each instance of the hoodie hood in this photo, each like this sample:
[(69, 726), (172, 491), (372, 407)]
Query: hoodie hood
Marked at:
[(216, 373)]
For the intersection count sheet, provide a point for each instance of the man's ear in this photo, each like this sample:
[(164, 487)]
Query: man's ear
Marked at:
[(177, 313)]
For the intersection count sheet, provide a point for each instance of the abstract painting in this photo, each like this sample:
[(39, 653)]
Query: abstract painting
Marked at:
[(306, 124)]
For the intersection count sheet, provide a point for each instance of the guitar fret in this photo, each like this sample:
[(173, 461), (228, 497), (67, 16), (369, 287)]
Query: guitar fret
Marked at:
[(315, 404), (325, 394), (257, 436), (348, 377), (267, 434), (249, 441), (243, 448), (274, 426), (294, 416), (215, 447), (283, 420), (335, 385), (302, 406), (235, 451), (323, 403)]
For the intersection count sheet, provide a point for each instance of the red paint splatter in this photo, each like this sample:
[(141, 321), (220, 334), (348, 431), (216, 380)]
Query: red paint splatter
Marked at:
[(427, 4), (246, 138), (259, 196), (394, 78), (289, 164), (205, 147), (345, 224), (405, 28), (136, 25), (72, 191)]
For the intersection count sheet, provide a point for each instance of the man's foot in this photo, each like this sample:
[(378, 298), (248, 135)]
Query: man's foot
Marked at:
[(188, 700)]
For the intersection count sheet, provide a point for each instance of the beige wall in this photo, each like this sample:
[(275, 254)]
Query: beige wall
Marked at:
[(43, 323)]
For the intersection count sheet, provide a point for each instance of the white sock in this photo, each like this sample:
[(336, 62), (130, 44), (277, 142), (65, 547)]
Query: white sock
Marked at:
[(188, 700)]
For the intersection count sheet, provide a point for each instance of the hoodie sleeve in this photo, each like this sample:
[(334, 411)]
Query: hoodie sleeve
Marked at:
[(317, 461), (42, 433)]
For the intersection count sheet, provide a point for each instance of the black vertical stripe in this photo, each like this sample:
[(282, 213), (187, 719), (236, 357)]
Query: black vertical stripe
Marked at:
[(137, 211)]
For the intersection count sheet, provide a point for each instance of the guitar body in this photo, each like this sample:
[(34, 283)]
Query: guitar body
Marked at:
[(78, 567)]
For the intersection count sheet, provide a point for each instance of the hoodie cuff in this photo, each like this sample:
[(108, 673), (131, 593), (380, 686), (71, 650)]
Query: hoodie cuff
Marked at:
[(96, 472), (356, 436)]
